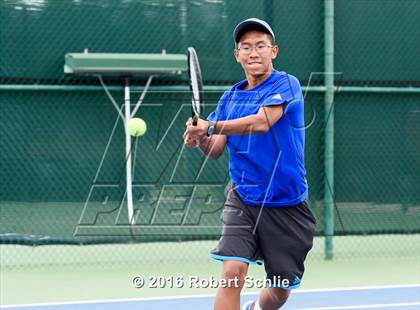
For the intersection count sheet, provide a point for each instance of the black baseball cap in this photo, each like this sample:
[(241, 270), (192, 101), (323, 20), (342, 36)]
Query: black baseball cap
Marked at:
[(251, 24)]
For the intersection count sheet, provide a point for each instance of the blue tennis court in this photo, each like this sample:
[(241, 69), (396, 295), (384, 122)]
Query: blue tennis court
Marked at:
[(402, 297)]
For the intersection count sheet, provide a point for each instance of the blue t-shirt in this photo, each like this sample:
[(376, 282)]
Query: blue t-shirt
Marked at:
[(267, 169)]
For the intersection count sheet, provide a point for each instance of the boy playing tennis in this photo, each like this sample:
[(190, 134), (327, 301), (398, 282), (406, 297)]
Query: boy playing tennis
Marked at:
[(266, 217)]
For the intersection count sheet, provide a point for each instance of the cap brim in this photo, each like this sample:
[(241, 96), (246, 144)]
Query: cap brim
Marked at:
[(247, 26)]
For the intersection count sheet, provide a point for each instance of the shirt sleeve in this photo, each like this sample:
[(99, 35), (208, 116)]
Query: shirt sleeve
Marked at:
[(287, 90)]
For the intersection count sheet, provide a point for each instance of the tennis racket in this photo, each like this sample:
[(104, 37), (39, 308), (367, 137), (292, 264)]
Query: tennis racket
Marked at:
[(196, 85)]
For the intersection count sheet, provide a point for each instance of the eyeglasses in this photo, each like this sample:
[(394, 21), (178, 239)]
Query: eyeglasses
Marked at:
[(260, 48)]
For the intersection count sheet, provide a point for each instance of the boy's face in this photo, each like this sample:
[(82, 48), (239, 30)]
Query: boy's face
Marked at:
[(255, 53)]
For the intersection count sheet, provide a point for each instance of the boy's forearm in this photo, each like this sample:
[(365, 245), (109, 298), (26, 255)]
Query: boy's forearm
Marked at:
[(245, 125), (209, 147)]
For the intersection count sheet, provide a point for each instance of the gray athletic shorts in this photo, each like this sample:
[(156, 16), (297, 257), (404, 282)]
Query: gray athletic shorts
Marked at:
[(278, 237)]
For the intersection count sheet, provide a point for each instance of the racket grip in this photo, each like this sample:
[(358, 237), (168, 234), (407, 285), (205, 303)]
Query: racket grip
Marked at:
[(194, 123), (194, 120)]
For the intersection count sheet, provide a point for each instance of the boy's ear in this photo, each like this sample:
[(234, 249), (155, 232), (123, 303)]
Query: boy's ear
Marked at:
[(274, 52), (236, 54)]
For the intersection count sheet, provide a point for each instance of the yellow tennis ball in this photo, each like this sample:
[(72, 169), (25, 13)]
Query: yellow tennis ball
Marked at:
[(136, 127)]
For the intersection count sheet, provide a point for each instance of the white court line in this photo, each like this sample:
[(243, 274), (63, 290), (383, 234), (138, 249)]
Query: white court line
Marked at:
[(365, 306), (209, 295)]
